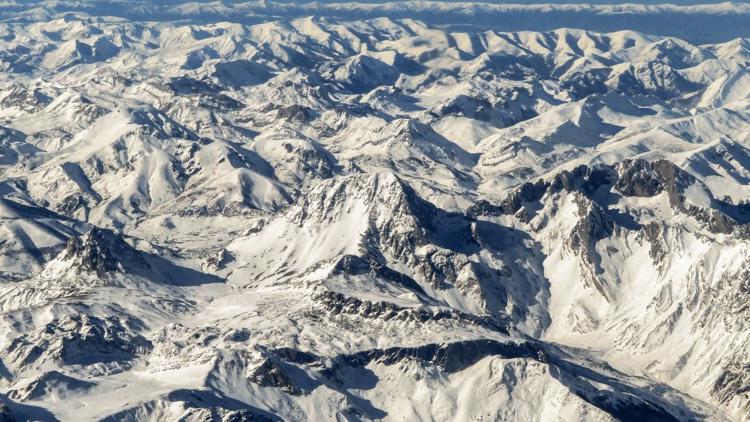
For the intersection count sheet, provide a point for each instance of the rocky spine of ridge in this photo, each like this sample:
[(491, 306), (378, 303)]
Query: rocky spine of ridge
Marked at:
[(102, 251), (108, 345), (398, 223)]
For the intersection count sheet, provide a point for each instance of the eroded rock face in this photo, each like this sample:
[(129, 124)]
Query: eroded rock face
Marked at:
[(658, 79), (635, 178), (101, 251), (733, 385), (593, 226), (271, 374), (337, 303), (80, 340), (29, 100), (645, 179), (399, 223), (450, 358)]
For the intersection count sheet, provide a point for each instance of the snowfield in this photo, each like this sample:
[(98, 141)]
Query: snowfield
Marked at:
[(259, 211)]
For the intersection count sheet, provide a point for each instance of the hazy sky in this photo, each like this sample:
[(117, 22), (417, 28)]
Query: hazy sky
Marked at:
[(679, 2), (699, 26)]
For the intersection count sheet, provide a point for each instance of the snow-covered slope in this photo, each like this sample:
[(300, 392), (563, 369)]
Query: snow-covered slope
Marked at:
[(284, 211)]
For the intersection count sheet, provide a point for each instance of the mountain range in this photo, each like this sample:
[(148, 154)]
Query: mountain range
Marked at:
[(243, 214)]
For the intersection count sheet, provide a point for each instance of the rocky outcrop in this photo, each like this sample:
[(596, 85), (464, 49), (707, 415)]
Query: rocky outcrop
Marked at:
[(611, 396), (398, 223), (641, 178), (733, 385), (450, 358), (338, 304), (102, 344), (371, 265), (270, 373), (28, 100), (102, 251), (594, 225)]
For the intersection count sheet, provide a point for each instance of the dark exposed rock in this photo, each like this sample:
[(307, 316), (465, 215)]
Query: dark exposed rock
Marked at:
[(414, 223), (271, 373), (616, 398), (295, 112), (102, 251), (244, 415), (220, 260), (583, 84), (155, 123), (653, 233), (643, 178), (733, 382), (716, 221), (184, 85), (463, 105), (79, 340), (479, 108), (29, 100), (584, 179), (652, 78), (450, 357), (355, 265), (484, 207), (528, 192), (74, 202), (222, 208), (199, 405), (311, 161), (633, 178), (239, 335), (594, 225), (337, 303)]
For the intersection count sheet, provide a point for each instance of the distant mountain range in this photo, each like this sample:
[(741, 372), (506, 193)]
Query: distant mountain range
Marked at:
[(695, 21)]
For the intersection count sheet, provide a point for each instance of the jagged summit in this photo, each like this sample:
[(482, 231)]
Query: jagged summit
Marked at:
[(372, 214), (102, 251)]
